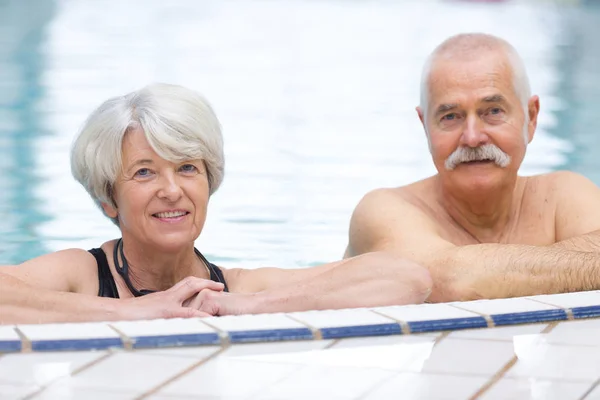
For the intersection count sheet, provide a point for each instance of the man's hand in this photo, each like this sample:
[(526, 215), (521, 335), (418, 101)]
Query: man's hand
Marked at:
[(217, 303), (171, 303)]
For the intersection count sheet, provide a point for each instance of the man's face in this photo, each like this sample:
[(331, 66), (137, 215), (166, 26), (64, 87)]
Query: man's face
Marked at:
[(477, 126)]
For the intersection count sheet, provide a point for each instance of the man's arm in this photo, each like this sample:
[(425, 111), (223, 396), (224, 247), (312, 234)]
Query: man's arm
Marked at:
[(577, 214), (383, 221), (369, 280)]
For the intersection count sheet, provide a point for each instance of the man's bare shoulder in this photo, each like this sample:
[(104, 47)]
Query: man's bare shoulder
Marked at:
[(392, 200), (575, 199), (563, 179)]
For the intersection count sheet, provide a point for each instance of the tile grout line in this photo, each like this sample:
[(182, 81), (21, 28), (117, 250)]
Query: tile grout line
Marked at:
[(404, 327), (488, 318), (502, 372), (33, 395), (316, 332), (225, 342), (126, 340), (26, 346), (179, 375), (567, 310), (590, 390)]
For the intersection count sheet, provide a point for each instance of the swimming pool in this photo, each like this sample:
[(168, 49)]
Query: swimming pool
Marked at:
[(316, 100)]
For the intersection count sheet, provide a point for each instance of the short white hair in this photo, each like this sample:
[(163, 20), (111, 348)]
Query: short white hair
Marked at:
[(178, 123), (470, 45)]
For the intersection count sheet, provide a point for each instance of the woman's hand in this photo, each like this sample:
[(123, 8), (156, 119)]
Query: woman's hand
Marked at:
[(171, 303), (215, 303)]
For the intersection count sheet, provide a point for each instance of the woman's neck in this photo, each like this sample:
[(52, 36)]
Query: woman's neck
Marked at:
[(154, 269)]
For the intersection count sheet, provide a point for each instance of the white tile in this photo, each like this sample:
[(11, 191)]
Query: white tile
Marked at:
[(503, 306), (253, 322), (398, 356), (339, 318), (63, 390), (580, 332), (161, 327), (319, 382), (535, 389), (42, 368), (16, 391), (468, 356), (226, 377), (197, 352), (500, 333), (68, 331), (8, 333), (131, 372), (424, 312), (385, 341), (250, 349), (594, 394), (539, 359), (571, 300), (411, 386)]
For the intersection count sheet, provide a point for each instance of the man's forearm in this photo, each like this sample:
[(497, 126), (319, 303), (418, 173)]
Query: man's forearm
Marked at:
[(366, 281), (506, 270), (22, 303), (589, 243)]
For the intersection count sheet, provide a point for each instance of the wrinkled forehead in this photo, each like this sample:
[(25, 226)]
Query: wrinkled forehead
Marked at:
[(457, 80)]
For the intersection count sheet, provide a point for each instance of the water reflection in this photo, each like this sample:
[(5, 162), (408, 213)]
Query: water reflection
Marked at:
[(316, 100), (578, 120), (22, 31)]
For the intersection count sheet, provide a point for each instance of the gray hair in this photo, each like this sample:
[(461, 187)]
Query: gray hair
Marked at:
[(178, 123), (469, 45)]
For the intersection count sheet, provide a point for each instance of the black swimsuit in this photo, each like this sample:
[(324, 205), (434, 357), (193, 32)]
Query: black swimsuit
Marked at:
[(108, 288)]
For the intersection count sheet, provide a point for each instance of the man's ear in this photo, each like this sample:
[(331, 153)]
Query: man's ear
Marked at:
[(533, 110), (109, 210), (421, 115)]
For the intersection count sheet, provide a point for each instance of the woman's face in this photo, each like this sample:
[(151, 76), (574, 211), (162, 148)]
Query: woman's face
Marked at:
[(159, 203)]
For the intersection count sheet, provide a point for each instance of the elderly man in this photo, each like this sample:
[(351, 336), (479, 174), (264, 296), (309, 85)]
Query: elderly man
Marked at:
[(480, 229)]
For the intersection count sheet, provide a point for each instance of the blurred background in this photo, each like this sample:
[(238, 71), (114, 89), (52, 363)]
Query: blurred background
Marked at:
[(316, 99)]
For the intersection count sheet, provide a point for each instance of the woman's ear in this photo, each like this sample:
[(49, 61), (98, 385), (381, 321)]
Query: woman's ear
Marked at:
[(109, 210)]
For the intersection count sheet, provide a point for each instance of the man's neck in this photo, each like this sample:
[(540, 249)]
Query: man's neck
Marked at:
[(484, 215), (153, 269)]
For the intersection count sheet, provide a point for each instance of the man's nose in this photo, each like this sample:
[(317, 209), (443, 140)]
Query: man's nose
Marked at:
[(473, 135)]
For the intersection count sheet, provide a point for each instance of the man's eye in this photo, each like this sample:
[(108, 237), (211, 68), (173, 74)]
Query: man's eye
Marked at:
[(495, 110), (449, 117)]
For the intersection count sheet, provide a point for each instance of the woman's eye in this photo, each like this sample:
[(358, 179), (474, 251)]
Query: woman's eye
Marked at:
[(143, 172), (189, 168)]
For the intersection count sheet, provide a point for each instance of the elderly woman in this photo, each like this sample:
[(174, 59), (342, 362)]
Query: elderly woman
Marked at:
[(150, 160)]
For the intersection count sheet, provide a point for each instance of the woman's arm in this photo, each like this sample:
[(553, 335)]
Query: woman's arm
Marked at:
[(63, 286)]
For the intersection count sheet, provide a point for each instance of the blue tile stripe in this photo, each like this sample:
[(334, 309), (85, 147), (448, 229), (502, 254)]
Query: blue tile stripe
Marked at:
[(194, 339), (447, 324), (9, 346), (360, 330), (586, 312), (76, 344), (270, 335), (529, 317)]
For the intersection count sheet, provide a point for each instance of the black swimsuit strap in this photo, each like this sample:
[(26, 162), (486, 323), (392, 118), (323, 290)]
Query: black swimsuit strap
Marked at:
[(124, 271), (215, 272)]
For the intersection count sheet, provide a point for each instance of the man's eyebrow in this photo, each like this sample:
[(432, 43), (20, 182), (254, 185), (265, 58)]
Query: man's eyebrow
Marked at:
[(495, 98), (445, 108)]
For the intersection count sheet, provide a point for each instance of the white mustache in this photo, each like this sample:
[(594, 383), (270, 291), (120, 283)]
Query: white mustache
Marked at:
[(482, 153)]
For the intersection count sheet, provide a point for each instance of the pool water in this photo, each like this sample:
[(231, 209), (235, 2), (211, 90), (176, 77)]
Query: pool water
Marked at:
[(316, 99)]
